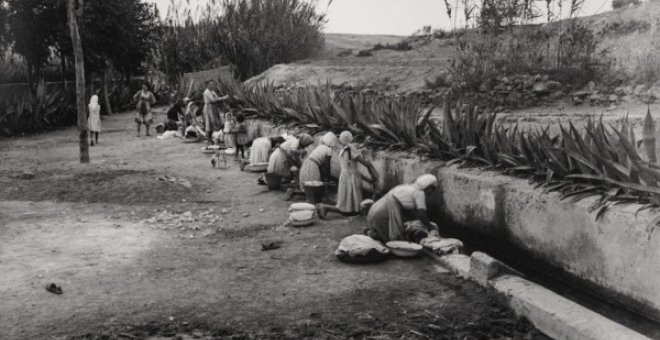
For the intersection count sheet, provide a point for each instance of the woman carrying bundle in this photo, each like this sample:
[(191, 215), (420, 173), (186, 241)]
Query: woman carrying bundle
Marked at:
[(349, 187), (406, 202)]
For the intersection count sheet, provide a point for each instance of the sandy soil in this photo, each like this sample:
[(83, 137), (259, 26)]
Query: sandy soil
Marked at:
[(131, 270)]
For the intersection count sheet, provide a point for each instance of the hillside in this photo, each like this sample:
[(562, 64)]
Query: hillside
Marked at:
[(631, 36)]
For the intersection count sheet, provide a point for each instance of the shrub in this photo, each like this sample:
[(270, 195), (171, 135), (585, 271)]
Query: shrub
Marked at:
[(647, 68), (618, 28), (400, 46), (624, 3), (257, 34), (365, 53), (484, 57)]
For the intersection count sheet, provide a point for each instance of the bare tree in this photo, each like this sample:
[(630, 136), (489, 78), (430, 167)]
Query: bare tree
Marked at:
[(74, 12)]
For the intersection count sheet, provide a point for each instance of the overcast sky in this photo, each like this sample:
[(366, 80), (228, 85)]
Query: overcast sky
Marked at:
[(398, 17)]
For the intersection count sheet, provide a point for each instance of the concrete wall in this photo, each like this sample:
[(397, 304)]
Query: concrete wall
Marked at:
[(618, 255)]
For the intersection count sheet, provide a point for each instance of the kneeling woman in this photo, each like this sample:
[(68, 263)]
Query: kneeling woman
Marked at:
[(386, 218), (288, 155), (349, 187)]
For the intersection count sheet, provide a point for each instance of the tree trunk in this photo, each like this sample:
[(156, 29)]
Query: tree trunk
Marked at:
[(106, 95), (73, 11)]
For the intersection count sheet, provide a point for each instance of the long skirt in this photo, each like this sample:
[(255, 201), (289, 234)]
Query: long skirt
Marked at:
[(385, 220), (212, 119), (260, 150), (279, 164), (349, 192), (309, 171), (94, 123)]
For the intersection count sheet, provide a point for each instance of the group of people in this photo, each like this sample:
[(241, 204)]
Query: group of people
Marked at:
[(386, 219), (287, 158)]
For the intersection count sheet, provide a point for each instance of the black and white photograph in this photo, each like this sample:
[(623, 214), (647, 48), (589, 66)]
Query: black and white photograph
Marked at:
[(329, 169)]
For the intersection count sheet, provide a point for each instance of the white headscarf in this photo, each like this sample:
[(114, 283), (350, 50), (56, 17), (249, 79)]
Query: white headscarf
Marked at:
[(346, 137), (425, 181), (93, 103), (329, 139)]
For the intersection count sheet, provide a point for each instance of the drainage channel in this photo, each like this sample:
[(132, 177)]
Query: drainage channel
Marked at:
[(554, 279)]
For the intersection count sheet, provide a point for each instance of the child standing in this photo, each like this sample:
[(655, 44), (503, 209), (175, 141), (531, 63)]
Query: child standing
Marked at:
[(228, 130), (241, 135), (94, 120)]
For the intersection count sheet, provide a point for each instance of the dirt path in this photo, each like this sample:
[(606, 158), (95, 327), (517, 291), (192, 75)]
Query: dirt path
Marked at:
[(139, 257)]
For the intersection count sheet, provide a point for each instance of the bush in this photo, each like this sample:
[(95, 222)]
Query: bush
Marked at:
[(257, 34), (365, 53), (624, 3), (573, 59), (647, 68), (400, 46), (618, 28)]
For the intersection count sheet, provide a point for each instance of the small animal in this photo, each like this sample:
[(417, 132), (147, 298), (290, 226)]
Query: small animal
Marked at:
[(215, 161)]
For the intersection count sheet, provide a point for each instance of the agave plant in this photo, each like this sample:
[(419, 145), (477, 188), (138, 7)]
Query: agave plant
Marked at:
[(599, 159)]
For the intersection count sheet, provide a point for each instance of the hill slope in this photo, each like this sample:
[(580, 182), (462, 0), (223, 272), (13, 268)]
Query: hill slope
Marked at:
[(631, 35)]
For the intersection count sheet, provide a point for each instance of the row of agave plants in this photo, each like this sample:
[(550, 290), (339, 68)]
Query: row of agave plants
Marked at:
[(52, 106), (393, 122), (43, 109), (598, 159)]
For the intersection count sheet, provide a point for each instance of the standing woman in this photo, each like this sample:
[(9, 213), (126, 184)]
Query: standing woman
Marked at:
[(211, 116), (145, 99), (94, 120), (349, 191)]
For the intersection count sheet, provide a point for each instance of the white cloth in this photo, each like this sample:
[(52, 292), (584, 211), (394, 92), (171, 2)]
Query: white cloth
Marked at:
[(260, 150), (94, 120), (425, 181)]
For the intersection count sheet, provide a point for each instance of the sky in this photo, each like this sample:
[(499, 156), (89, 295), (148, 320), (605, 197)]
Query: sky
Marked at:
[(391, 17)]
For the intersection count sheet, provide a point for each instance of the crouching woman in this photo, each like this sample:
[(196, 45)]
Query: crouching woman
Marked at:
[(386, 218)]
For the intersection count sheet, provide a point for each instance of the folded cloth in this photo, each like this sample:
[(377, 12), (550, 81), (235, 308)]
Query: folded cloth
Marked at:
[(302, 207), (442, 246)]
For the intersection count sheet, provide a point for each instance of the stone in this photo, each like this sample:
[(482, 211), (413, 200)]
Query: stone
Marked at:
[(483, 267)]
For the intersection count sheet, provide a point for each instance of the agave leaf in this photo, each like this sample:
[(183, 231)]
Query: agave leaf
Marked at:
[(648, 137)]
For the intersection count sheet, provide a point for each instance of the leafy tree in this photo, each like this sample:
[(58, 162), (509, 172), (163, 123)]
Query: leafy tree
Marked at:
[(3, 24), (31, 29)]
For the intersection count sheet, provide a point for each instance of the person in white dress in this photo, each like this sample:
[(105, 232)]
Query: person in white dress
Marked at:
[(349, 187), (94, 119)]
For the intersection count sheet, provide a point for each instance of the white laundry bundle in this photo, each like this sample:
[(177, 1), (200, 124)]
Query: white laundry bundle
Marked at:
[(442, 246), (302, 214), (361, 249)]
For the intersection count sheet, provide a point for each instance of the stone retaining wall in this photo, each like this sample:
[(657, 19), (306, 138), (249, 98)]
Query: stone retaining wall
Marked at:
[(617, 256)]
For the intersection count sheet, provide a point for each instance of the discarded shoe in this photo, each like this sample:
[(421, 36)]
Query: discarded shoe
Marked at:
[(53, 288)]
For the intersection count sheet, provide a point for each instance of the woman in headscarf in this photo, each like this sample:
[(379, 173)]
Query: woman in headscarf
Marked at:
[(288, 154), (94, 120), (349, 187), (406, 202), (211, 116), (316, 167), (145, 99)]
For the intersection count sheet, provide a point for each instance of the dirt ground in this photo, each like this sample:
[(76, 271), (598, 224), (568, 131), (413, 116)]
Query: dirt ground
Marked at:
[(142, 258)]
